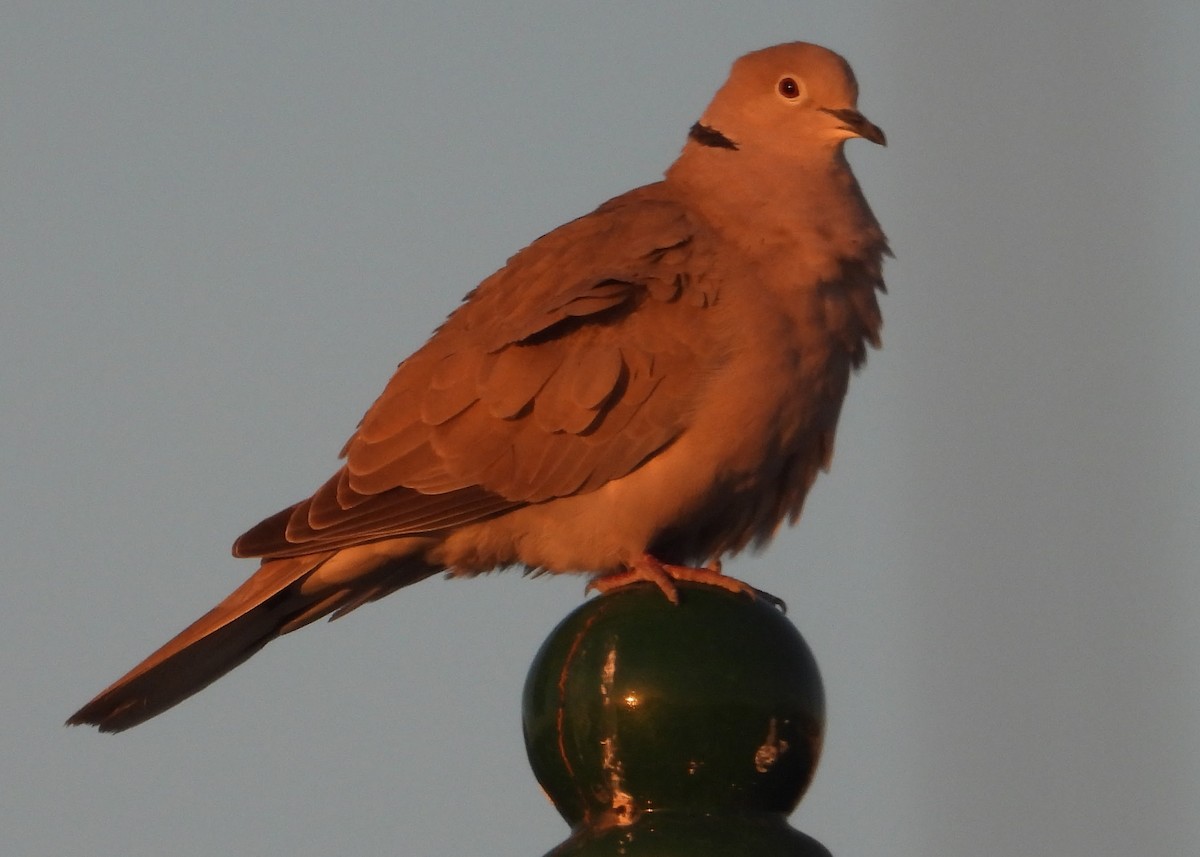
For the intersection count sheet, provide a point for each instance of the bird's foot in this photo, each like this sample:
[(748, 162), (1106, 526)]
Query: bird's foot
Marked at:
[(665, 576)]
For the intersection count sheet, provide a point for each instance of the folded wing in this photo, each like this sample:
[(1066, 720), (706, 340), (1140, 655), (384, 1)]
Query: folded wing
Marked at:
[(545, 383)]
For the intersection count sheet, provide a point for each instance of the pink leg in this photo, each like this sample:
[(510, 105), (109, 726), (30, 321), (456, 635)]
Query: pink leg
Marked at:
[(664, 576)]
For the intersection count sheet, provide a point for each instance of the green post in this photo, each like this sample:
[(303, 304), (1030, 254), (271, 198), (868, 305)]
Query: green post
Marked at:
[(676, 731)]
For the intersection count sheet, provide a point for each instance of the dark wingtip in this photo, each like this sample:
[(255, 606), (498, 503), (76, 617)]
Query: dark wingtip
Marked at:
[(109, 717)]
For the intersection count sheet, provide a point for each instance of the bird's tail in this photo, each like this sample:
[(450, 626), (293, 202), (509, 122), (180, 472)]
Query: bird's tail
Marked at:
[(270, 603)]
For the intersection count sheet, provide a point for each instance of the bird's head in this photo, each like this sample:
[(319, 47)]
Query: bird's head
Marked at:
[(793, 98)]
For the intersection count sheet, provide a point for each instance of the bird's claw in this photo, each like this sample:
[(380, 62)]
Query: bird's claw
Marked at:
[(665, 576)]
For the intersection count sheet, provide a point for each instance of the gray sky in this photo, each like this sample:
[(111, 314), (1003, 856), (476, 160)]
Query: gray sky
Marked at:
[(223, 224)]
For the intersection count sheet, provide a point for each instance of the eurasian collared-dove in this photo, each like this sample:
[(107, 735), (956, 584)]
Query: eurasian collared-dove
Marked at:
[(638, 392)]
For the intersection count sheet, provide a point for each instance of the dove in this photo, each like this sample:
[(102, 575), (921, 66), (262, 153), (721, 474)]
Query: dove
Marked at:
[(634, 396)]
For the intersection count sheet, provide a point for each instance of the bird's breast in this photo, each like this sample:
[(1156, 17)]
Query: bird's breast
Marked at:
[(765, 425)]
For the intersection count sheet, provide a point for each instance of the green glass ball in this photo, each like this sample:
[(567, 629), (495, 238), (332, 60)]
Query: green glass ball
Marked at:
[(642, 716)]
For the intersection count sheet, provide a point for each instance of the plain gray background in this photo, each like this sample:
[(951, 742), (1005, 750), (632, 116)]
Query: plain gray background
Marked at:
[(224, 223)]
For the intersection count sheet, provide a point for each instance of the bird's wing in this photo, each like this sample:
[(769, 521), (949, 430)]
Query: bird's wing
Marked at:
[(566, 369)]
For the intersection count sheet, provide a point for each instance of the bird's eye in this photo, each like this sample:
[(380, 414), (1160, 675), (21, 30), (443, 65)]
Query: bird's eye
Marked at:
[(789, 88)]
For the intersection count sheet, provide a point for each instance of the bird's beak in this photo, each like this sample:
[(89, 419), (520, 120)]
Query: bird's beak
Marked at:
[(857, 124)]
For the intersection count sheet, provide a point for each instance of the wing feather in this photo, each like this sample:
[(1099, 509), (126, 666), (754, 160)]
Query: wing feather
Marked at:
[(553, 377)]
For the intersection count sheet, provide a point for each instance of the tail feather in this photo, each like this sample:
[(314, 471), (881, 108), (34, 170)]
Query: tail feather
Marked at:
[(267, 605)]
